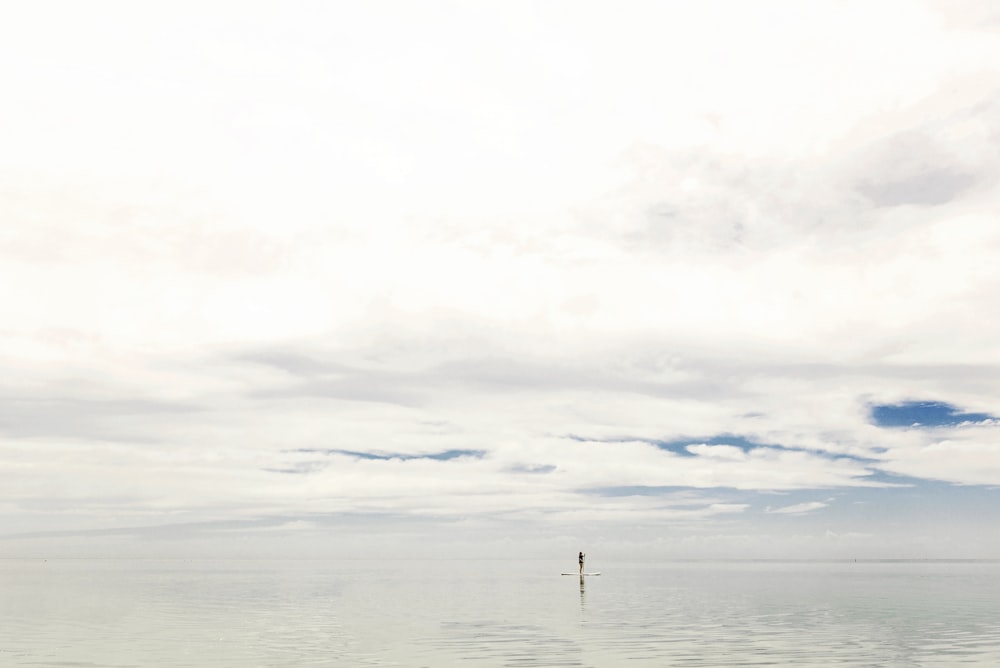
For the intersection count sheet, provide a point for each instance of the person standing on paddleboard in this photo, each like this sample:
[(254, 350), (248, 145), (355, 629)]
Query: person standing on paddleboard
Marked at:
[(582, 556)]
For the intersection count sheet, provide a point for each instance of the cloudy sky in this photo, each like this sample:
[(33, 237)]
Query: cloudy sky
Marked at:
[(646, 279)]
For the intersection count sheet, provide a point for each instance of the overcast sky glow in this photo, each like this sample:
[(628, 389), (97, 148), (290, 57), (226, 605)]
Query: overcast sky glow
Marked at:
[(648, 279)]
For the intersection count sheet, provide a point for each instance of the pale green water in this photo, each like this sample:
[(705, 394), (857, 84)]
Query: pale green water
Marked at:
[(480, 613)]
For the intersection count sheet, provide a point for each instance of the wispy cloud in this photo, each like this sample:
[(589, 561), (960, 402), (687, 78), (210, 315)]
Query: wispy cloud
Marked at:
[(799, 508)]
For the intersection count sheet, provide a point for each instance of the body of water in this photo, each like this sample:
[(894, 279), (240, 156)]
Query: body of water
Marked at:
[(141, 613)]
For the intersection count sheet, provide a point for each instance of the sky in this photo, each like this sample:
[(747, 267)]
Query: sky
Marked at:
[(651, 280)]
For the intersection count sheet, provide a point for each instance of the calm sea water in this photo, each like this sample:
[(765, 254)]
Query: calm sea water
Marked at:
[(480, 613)]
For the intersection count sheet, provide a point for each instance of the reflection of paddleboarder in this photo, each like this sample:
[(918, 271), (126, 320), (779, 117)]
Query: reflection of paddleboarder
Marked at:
[(582, 557)]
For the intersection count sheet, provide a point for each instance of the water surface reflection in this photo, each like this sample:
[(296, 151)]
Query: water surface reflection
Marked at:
[(206, 614)]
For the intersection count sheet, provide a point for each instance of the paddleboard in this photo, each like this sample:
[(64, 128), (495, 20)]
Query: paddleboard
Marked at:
[(581, 573)]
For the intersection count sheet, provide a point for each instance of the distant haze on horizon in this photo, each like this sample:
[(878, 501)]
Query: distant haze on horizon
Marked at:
[(500, 279)]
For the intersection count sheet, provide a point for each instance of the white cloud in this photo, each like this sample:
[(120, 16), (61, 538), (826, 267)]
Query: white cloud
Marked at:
[(799, 508), (971, 456), (372, 228)]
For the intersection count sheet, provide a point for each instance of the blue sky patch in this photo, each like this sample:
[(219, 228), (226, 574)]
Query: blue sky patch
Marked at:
[(301, 468), (442, 456), (633, 490), (532, 468), (679, 446), (923, 414)]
